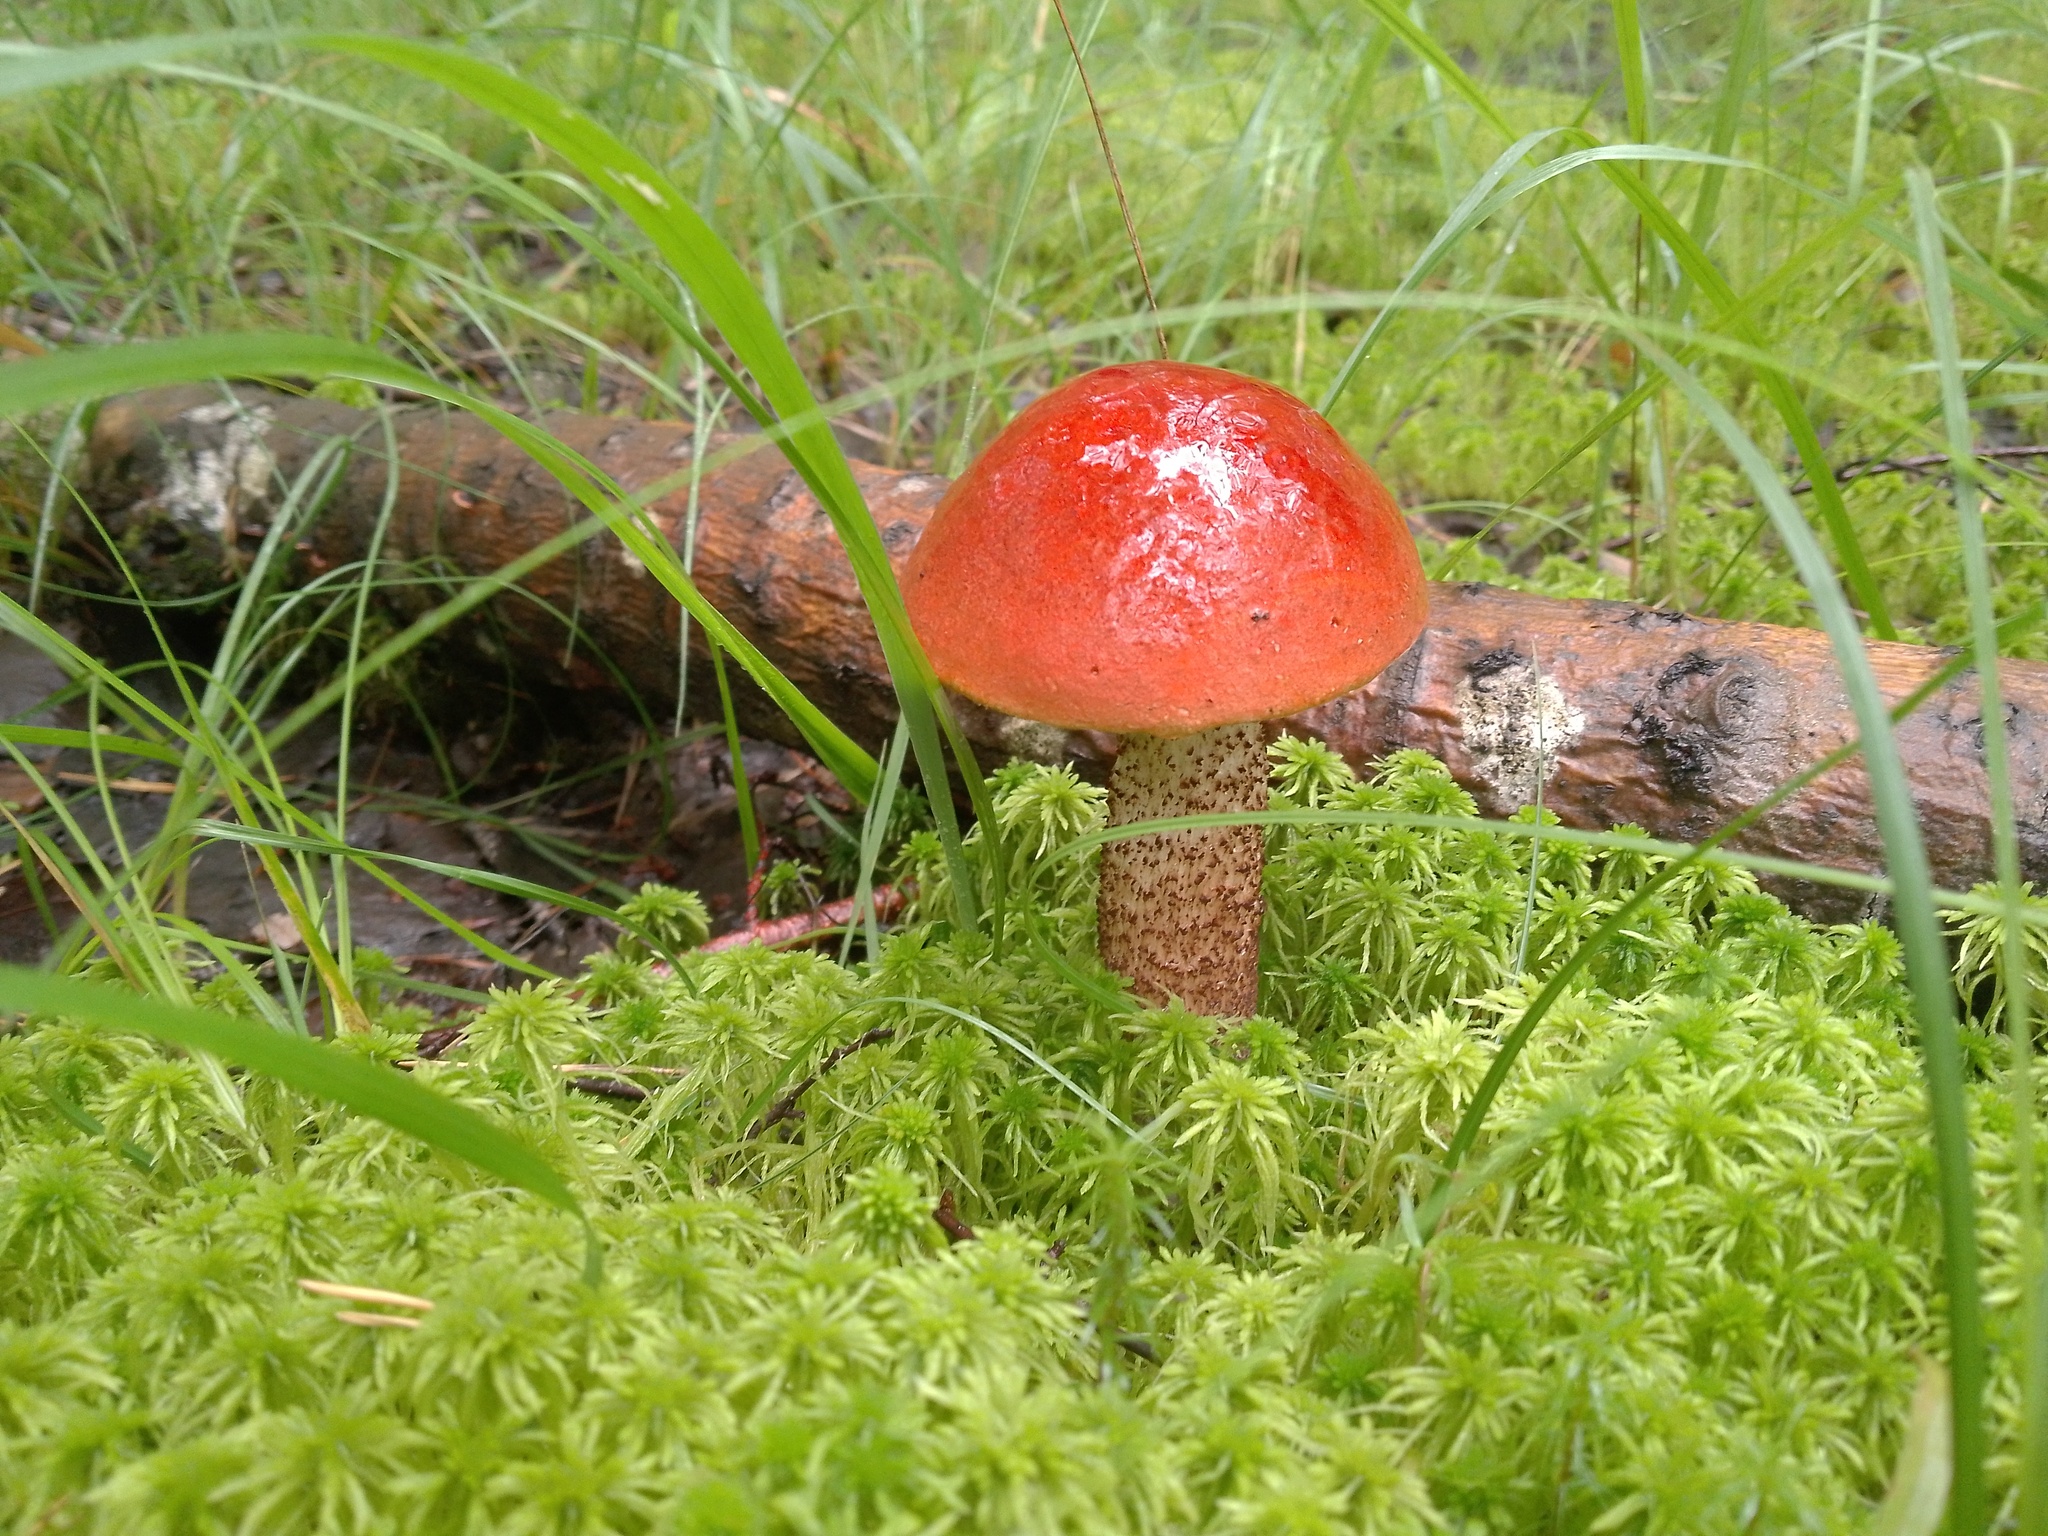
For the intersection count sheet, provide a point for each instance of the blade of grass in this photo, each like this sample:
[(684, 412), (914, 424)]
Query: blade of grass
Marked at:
[(1966, 1506), (1923, 1474), (874, 830), (1751, 27), (1439, 119), (38, 383), (44, 852), (696, 254), (70, 438), (1866, 102), (742, 789), (1053, 89), (86, 741), (1109, 159), (368, 859), (25, 67), (1486, 198), (1699, 269), (1634, 65), (320, 1070), (344, 938), (1921, 939), (517, 198), (315, 838), (1781, 278), (1023, 1049)]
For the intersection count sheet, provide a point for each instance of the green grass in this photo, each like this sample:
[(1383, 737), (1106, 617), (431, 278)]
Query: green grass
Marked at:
[(1592, 287)]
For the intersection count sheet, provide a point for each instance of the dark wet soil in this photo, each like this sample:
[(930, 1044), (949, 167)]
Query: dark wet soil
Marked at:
[(593, 812)]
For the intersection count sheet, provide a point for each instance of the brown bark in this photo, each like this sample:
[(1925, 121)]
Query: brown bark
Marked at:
[(1671, 722)]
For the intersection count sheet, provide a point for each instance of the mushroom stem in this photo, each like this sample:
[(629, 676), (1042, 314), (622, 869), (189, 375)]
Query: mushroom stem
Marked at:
[(1179, 912)]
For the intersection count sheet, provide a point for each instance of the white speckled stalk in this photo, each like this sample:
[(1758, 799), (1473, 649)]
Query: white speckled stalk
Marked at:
[(1179, 912)]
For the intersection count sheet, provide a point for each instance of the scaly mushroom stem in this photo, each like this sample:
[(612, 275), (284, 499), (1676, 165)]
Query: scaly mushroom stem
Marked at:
[(1179, 912)]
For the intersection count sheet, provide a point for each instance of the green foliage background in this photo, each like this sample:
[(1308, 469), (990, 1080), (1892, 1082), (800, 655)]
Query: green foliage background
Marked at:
[(928, 217), (1705, 1241)]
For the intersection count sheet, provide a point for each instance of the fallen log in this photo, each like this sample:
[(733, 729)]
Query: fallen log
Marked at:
[(1624, 713)]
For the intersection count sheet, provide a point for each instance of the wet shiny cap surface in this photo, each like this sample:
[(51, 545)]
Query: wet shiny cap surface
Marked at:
[(1164, 548)]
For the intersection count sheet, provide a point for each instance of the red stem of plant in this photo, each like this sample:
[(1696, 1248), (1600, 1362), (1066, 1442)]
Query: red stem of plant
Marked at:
[(801, 925)]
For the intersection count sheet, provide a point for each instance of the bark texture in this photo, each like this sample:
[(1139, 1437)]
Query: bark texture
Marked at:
[(1626, 713), (1178, 914)]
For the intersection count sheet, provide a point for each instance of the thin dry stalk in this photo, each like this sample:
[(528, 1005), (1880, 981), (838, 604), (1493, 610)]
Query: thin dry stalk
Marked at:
[(1117, 181)]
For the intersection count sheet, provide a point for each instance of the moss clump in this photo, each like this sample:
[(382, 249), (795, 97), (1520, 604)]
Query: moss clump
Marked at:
[(1685, 1290)]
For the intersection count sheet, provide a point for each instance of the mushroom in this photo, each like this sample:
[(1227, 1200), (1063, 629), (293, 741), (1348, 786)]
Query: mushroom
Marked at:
[(1174, 554)]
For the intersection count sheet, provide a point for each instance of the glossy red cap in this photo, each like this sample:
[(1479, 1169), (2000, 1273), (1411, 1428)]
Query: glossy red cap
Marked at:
[(1164, 548)]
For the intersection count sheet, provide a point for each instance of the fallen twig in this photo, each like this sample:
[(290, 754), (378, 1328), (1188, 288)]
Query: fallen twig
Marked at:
[(436, 1043), (369, 1294), (1860, 469), (608, 1088), (956, 1230), (610, 1082), (127, 786), (803, 925), (784, 1107)]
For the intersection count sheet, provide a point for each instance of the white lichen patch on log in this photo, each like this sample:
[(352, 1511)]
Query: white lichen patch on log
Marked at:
[(1032, 740), (209, 484), (1179, 912), (1516, 722)]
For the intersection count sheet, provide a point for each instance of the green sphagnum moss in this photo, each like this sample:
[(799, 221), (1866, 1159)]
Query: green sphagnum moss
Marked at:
[(1686, 1291)]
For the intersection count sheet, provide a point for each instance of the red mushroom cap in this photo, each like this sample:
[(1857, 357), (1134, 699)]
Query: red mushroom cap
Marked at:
[(1164, 548)]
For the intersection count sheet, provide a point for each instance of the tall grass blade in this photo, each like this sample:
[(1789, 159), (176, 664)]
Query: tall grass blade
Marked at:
[(41, 382), (1486, 198), (874, 830), (726, 293), (1743, 58), (322, 1071), (86, 741), (1633, 63), (742, 787), (1439, 117), (1866, 103), (70, 438), (1918, 1495), (1123, 203), (25, 67), (1961, 435), (1920, 934), (1699, 269), (482, 879)]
